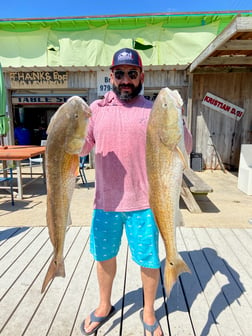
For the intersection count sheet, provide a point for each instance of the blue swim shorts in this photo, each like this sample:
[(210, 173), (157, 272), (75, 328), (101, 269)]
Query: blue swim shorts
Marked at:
[(141, 231)]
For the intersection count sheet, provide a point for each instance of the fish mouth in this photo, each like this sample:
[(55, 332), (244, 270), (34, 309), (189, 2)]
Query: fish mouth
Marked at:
[(88, 114)]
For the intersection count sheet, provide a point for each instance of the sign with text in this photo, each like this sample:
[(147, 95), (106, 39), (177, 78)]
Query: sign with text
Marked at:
[(103, 82), (34, 100), (38, 79), (223, 106), (41, 100)]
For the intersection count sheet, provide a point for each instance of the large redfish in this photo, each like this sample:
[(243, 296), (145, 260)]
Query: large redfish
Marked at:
[(66, 133), (166, 159)]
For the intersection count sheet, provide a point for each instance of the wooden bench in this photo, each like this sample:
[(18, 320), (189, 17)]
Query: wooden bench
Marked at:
[(192, 185)]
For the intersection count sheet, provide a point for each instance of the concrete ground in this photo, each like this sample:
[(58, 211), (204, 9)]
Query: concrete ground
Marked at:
[(226, 206)]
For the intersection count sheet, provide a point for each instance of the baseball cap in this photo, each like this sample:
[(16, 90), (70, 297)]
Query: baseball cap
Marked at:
[(126, 56)]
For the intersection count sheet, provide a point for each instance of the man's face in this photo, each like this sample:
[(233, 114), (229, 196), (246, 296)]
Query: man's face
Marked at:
[(127, 81)]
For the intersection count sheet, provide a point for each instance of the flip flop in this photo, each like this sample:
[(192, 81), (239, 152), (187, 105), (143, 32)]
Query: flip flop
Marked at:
[(151, 328), (100, 319)]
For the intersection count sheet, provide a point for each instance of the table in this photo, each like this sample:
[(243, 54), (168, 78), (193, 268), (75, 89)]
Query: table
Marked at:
[(19, 153)]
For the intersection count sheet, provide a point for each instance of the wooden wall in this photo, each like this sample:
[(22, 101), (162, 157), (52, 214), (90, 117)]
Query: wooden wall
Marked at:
[(210, 129), (213, 130)]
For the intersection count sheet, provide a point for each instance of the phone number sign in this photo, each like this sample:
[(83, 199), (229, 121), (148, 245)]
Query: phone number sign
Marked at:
[(103, 82)]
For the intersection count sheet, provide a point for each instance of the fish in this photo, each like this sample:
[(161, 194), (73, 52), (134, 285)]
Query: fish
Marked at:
[(66, 135), (166, 159)]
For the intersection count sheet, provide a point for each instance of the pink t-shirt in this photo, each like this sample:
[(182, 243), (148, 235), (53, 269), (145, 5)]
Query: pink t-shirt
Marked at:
[(118, 131)]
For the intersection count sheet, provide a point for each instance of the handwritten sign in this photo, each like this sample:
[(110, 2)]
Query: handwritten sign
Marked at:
[(223, 106), (39, 79)]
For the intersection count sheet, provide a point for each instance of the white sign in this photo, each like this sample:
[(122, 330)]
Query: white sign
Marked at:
[(103, 82), (223, 106)]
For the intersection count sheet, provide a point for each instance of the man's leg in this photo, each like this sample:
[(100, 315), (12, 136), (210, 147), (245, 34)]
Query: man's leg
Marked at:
[(150, 280), (106, 271)]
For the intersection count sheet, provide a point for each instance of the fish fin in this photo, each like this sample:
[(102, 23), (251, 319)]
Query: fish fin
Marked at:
[(51, 123), (169, 139), (182, 156), (55, 269), (172, 271)]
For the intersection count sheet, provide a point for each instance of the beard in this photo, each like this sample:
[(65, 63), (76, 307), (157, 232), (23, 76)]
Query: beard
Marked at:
[(126, 96)]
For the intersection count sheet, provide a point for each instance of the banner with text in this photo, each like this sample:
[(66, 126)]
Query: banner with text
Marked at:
[(223, 106)]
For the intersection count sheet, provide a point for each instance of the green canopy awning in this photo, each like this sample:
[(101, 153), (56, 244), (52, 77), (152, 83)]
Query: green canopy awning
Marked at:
[(170, 40)]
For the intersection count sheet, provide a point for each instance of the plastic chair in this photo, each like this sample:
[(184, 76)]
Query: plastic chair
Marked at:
[(82, 166), (6, 175), (37, 160)]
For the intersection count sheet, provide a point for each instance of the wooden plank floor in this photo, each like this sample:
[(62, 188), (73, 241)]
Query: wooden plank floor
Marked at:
[(215, 299)]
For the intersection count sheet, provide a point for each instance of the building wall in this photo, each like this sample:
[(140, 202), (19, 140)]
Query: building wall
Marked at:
[(44, 91), (211, 130), (214, 132)]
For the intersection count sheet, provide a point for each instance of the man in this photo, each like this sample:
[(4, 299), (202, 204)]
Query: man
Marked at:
[(117, 128)]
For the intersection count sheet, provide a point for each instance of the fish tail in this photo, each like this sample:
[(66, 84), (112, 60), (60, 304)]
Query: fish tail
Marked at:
[(172, 271), (55, 269)]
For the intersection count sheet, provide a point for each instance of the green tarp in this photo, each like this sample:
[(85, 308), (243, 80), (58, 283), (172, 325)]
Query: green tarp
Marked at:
[(4, 121), (162, 40), (4, 125)]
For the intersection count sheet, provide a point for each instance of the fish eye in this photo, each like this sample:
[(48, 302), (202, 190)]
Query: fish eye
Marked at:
[(164, 105), (76, 116)]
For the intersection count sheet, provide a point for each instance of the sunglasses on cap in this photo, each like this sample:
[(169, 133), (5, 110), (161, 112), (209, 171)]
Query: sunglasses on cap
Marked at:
[(132, 74)]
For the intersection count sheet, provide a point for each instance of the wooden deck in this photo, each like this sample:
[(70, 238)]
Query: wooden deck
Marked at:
[(216, 299)]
